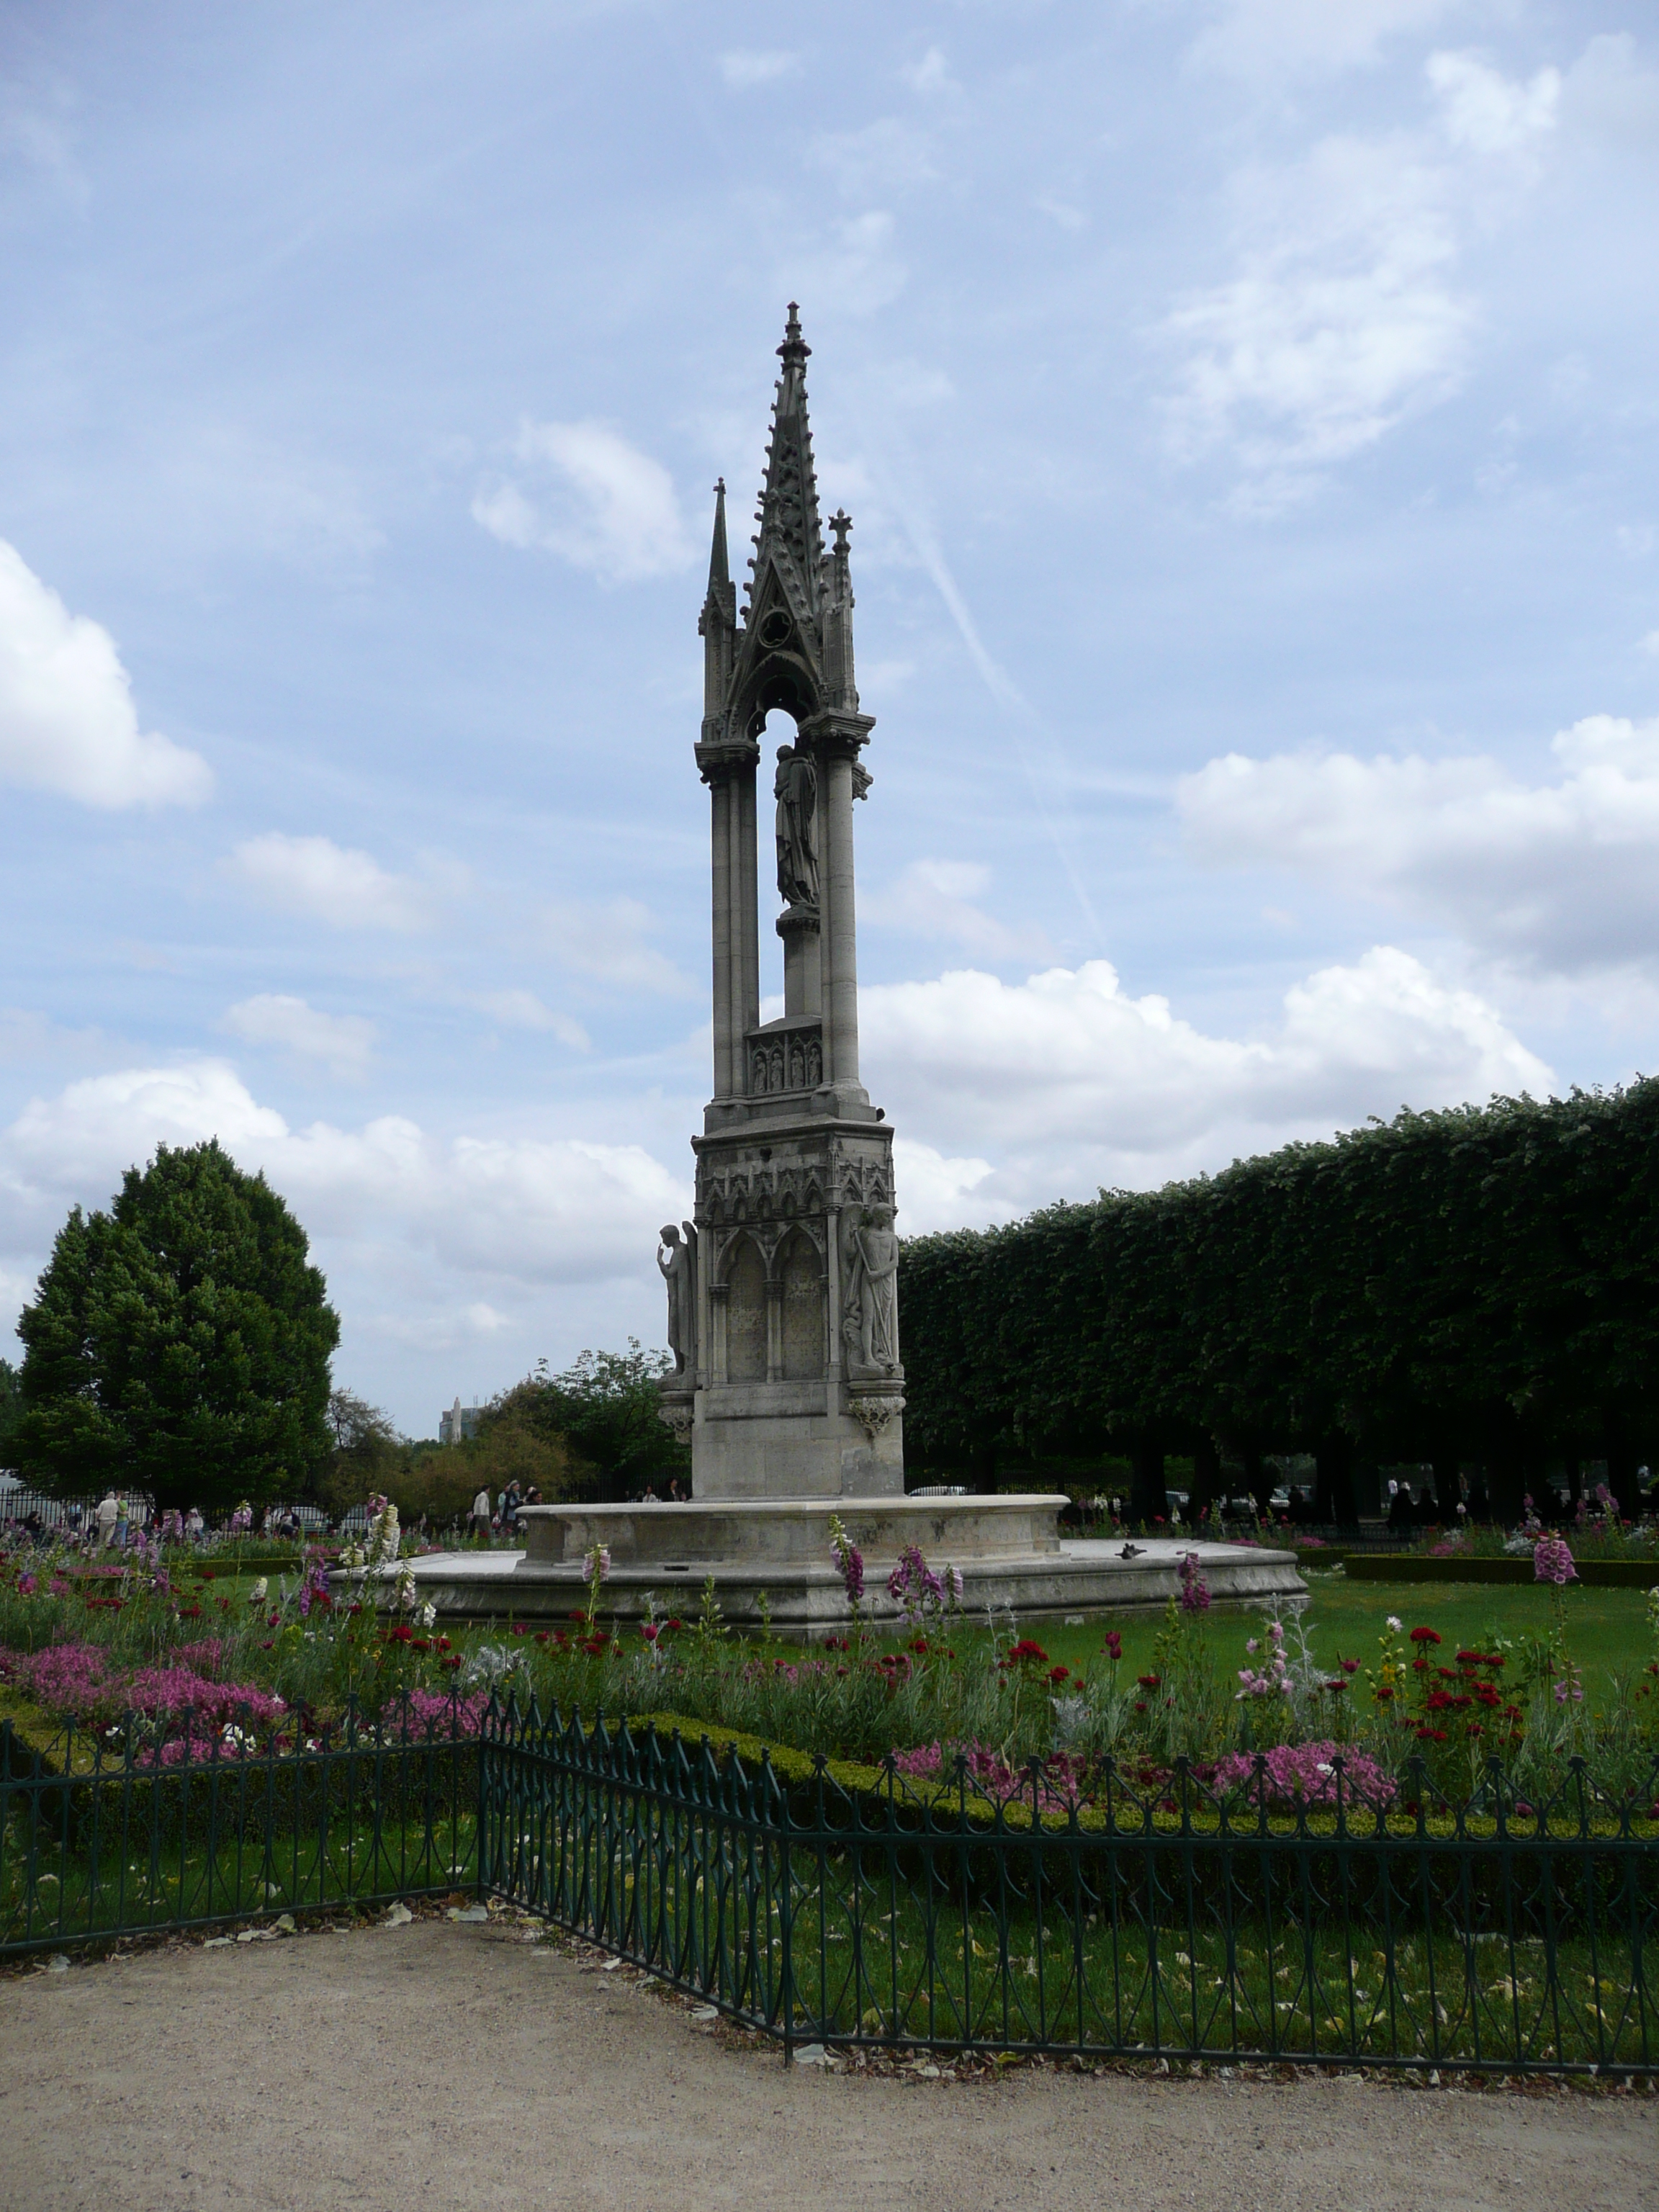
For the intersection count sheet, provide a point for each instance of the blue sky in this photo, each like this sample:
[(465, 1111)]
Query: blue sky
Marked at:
[(1247, 415)]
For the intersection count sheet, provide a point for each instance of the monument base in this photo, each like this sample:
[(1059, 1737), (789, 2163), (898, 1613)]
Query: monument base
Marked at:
[(1008, 1548)]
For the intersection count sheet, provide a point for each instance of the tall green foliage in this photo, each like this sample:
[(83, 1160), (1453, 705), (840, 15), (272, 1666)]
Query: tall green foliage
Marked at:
[(1478, 1285), (179, 1343), (603, 1410)]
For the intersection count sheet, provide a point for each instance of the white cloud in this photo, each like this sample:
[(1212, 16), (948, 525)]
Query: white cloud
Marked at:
[(744, 70), (1341, 317), (342, 1042), (1561, 877), (1270, 39), (523, 1010), (878, 156), (559, 1210), (931, 74), (936, 899), (609, 944), (593, 499), (934, 1192), (326, 882), (1346, 310), (1488, 111), (854, 271), (67, 720), (1065, 1075)]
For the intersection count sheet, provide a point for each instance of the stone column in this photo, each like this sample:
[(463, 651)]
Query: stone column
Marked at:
[(745, 896), (720, 793), (840, 959), (798, 926)]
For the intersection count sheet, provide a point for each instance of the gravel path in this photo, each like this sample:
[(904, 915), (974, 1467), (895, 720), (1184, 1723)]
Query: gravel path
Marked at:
[(447, 2064)]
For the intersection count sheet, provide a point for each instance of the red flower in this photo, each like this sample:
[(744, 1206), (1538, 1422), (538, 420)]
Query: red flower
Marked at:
[(1426, 1636), (1060, 1674), (1349, 1666), (1026, 1652), (675, 1624), (1114, 1645), (1149, 1681)]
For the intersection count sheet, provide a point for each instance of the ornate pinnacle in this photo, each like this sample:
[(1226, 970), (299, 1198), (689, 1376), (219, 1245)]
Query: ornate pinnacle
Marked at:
[(718, 571), (841, 522), (794, 347)]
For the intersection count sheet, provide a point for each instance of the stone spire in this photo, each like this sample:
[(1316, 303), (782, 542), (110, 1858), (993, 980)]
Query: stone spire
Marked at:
[(790, 539), (717, 624)]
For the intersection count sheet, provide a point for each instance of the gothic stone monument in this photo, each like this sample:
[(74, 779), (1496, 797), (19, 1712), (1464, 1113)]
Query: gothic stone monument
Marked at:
[(782, 1290)]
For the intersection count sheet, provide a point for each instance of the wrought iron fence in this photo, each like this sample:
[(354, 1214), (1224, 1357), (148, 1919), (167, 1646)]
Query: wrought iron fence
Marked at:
[(1164, 1924), (819, 1906), (237, 1823)]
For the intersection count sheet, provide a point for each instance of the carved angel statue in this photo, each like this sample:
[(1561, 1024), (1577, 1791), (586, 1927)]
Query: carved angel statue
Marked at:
[(870, 1304), (677, 1259), (796, 790)]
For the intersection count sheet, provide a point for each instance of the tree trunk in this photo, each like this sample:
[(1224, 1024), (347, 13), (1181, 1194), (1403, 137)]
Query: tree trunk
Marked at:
[(1448, 1495), (1206, 1476), (1259, 1481), (1148, 1500), (1333, 1498)]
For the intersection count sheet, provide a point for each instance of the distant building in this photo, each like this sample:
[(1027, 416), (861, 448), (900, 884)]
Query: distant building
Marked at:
[(459, 1423)]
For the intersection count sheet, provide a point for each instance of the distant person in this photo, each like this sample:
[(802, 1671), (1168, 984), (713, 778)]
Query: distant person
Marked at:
[(675, 1496), (1402, 1509), (109, 1512), (480, 1523)]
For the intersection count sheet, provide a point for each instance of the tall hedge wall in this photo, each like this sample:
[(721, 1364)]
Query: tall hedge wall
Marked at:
[(1478, 1285)]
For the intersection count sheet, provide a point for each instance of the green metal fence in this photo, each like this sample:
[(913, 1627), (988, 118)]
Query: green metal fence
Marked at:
[(1156, 1923), (1167, 1924), (95, 1843)]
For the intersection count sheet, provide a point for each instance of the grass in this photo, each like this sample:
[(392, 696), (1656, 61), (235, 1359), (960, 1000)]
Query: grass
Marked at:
[(1257, 1967), (1607, 1629)]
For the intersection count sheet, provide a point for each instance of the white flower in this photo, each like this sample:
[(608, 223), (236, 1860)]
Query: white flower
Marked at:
[(1393, 1623), (428, 1614), (257, 1594)]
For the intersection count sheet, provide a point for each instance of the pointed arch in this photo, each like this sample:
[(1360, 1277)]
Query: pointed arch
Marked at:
[(800, 1271), (745, 1312)]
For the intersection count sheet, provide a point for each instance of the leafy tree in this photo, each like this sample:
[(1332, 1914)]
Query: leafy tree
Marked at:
[(179, 1343), (11, 1408), (605, 1410), (369, 1455), (1476, 1285)]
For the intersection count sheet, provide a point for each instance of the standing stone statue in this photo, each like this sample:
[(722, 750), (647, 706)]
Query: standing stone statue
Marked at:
[(678, 1261), (796, 790), (870, 1304)]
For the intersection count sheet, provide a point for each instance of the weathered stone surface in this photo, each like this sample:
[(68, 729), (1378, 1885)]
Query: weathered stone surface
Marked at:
[(780, 1553)]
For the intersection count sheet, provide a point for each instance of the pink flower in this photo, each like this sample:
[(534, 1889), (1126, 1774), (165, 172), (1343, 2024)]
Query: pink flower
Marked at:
[(1307, 1772), (1551, 1562)]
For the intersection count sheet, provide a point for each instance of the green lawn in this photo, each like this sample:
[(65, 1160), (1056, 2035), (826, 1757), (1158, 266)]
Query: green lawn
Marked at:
[(1607, 1629)]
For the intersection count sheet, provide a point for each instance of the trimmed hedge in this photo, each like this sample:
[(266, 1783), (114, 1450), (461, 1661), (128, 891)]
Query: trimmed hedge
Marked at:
[(1595, 1574), (1480, 1285)]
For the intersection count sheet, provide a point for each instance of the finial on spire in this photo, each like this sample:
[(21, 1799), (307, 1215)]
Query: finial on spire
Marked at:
[(841, 522), (719, 568), (794, 347)]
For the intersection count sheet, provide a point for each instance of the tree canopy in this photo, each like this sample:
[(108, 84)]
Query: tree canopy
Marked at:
[(179, 1343), (1478, 1285), (605, 1409)]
